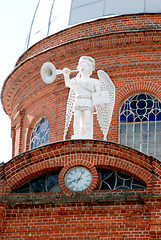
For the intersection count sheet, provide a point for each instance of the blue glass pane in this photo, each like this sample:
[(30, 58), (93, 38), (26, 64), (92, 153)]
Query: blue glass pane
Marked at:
[(106, 173), (141, 104), (133, 104), (151, 117), (35, 143), (144, 119), (128, 183), (130, 118), (120, 183), (38, 185), (47, 137), (46, 125), (159, 117), (141, 96), (122, 118), (41, 134), (38, 130), (42, 127), (105, 186), (122, 108), (149, 103), (137, 119), (141, 111)]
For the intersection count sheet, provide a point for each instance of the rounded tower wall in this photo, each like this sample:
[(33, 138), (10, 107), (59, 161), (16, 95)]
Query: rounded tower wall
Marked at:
[(121, 46)]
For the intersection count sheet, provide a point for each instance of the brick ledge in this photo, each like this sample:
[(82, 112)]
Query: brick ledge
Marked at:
[(138, 196)]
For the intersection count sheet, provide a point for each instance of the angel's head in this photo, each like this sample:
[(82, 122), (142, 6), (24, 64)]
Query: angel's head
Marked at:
[(86, 64)]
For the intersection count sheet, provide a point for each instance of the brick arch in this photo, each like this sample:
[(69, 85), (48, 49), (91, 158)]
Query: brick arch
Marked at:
[(99, 153), (133, 88), (28, 174), (38, 169), (42, 111)]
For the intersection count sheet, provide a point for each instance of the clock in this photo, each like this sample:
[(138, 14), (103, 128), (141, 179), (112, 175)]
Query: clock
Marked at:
[(78, 178)]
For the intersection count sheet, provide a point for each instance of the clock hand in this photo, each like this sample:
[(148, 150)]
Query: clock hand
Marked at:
[(74, 180), (80, 177)]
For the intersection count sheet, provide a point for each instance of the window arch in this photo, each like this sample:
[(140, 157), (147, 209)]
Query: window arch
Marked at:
[(140, 124), (40, 133)]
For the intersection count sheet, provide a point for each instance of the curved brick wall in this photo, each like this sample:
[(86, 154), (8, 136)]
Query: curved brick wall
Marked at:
[(126, 47)]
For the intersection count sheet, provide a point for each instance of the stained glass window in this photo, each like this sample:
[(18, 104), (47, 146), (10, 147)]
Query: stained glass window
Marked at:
[(114, 180), (140, 124), (40, 134), (44, 183)]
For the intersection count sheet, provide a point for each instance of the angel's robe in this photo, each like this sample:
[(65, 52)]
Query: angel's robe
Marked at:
[(84, 90)]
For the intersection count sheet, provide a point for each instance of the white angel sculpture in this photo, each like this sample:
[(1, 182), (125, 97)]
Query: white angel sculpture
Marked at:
[(85, 94)]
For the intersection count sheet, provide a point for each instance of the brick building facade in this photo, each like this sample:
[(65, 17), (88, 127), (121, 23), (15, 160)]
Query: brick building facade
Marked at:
[(128, 48)]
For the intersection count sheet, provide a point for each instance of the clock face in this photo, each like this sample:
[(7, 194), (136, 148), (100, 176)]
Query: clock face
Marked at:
[(78, 178)]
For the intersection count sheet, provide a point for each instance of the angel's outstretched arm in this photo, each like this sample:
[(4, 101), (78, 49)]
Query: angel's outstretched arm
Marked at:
[(68, 82), (66, 73)]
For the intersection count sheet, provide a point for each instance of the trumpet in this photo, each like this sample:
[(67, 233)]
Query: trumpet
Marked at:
[(48, 72)]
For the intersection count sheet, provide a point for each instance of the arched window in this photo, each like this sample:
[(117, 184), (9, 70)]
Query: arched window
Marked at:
[(109, 180), (140, 124), (40, 133), (44, 183)]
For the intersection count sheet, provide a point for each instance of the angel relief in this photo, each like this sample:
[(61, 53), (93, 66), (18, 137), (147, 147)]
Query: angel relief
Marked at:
[(85, 94)]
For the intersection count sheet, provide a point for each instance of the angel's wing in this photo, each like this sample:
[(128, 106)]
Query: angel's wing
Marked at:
[(69, 111), (104, 112)]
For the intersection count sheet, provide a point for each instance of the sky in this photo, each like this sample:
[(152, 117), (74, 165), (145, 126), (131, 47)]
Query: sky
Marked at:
[(15, 21)]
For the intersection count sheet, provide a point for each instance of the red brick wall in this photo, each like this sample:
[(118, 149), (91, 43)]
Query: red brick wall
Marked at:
[(123, 214), (77, 221)]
